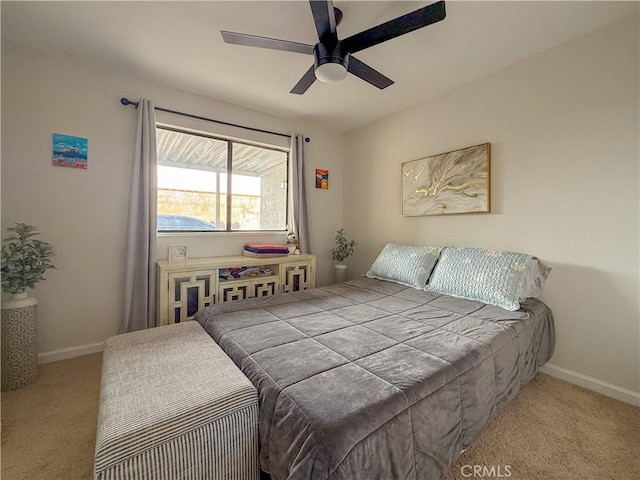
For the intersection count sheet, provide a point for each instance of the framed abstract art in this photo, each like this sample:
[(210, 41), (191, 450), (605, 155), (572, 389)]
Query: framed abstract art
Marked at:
[(449, 183)]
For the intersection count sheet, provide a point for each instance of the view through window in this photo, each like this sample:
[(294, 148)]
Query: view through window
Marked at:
[(213, 184)]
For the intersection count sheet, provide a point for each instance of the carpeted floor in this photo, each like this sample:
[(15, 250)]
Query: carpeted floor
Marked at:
[(552, 430), (49, 427)]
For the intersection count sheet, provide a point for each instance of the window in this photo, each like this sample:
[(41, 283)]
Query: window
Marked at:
[(213, 184)]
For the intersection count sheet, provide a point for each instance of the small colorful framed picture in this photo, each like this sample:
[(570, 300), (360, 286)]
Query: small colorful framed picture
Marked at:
[(69, 151), (322, 179)]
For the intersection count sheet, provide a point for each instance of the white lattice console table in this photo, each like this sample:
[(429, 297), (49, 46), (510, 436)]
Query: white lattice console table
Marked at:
[(186, 287)]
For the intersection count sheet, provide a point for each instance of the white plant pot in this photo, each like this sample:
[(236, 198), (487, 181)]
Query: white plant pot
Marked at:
[(19, 341), (340, 272)]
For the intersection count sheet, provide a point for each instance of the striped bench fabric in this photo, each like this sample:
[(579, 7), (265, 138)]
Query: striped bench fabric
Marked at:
[(174, 406)]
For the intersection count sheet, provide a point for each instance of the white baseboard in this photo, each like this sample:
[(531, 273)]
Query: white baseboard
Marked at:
[(608, 389), (65, 353)]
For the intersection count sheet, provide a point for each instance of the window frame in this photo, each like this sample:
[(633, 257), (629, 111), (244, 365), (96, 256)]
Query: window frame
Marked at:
[(229, 172)]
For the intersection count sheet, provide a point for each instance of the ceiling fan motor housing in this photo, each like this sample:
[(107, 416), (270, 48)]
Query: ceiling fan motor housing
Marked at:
[(330, 64)]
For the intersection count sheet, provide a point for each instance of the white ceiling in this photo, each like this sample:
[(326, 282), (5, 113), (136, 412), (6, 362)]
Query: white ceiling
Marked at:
[(179, 44)]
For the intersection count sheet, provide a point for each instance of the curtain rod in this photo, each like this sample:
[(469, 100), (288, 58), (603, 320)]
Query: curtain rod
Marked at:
[(125, 101)]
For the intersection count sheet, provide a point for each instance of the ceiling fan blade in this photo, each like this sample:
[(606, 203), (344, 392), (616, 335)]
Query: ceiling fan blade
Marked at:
[(394, 28), (305, 82), (325, 20), (265, 42), (368, 74)]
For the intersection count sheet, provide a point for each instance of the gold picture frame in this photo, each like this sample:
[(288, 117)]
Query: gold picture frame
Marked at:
[(449, 183)]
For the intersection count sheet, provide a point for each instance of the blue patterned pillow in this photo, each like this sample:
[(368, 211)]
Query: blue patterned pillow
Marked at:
[(495, 277), (405, 264)]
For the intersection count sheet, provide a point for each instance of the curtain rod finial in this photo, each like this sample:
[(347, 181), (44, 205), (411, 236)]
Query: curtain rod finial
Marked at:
[(126, 101)]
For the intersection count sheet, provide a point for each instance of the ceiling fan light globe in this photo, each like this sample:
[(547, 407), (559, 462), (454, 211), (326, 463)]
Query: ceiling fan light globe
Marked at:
[(331, 72)]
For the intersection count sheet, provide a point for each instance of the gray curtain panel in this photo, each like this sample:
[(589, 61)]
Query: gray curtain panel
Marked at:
[(140, 268), (300, 204)]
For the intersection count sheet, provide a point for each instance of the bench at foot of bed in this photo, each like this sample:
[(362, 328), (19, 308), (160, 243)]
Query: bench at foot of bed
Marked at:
[(173, 405)]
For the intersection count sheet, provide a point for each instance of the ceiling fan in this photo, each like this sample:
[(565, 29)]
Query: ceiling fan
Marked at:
[(333, 58)]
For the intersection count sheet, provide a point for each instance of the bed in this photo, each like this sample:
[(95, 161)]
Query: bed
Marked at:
[(376, 379)]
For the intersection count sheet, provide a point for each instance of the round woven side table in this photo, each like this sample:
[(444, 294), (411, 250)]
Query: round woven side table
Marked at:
[(19, 341)]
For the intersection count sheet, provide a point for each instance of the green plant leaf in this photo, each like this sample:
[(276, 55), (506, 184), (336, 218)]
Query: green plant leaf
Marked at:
[(344, 248), (24, 259)]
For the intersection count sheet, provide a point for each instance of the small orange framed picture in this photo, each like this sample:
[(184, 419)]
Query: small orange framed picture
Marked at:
[(322, 179)]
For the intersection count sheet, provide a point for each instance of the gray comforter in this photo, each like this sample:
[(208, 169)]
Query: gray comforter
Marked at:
[(373, 380)]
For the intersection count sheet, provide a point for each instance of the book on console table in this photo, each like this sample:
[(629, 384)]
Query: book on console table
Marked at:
[(264, 255)]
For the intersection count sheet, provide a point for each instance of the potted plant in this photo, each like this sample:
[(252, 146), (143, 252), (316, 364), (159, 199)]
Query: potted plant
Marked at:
[(343, 250), (24, 262)]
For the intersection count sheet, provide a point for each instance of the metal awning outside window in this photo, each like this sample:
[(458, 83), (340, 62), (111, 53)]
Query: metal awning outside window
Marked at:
[(185, 150)]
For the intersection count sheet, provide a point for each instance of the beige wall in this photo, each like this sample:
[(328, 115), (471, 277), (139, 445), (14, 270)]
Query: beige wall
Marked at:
[(564, 133), (83, 212)]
